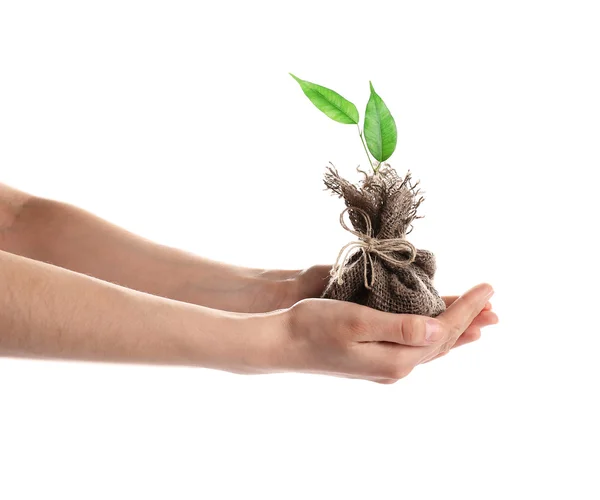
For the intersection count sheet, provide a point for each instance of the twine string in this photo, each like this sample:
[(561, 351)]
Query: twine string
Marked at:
[(370, 247)]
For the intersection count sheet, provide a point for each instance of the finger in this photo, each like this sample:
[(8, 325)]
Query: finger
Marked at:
[(370, 325), (464, 310), (471, 335), (450, 299), (403, 329), (409, 329), (455, 320), (473, 332), (485, 318)]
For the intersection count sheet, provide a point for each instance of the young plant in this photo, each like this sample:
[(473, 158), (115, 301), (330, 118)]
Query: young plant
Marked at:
[(379, 129)]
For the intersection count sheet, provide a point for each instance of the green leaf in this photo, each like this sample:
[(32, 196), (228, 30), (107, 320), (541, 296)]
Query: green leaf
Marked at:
[(380, 128), (330, 102)]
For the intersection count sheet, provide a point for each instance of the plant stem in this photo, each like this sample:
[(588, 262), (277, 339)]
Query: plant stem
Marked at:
[(365, 146)]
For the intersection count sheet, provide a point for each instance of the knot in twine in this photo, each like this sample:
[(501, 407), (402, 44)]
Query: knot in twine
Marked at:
[(370, 247)]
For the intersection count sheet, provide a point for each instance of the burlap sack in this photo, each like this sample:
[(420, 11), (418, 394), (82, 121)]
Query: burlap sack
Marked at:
[(381, 269)]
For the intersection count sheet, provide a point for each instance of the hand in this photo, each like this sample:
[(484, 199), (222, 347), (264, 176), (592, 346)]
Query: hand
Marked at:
[(473, 332), (284, 288), (349, 340), (294, 286)]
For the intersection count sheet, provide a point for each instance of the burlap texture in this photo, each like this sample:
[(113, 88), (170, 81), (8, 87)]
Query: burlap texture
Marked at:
[(391, 204)]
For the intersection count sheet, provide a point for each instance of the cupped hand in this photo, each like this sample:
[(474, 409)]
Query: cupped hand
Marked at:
[(350, 340)]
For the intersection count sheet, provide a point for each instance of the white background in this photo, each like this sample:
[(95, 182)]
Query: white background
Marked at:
[(179, 121)]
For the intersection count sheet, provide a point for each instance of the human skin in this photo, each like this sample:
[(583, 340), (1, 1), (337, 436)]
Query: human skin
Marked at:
[(69, 237), (171, 307)]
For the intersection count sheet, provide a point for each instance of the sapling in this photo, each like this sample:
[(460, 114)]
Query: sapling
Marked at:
[(381, 268)]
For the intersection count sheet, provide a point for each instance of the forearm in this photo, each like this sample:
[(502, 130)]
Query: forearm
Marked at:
[(49, 312), (69, 237)]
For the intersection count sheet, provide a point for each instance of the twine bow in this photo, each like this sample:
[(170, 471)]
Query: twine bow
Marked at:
[(370, 247)]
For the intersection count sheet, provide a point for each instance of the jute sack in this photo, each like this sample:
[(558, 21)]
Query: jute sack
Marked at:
[(381, 268)]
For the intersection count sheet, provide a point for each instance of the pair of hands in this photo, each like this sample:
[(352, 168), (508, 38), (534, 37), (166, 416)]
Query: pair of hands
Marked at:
[(350, 340), (289, 328)]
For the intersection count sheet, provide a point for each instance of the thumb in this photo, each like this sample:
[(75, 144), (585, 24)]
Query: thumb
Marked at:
[(414, 330), (404, 329)]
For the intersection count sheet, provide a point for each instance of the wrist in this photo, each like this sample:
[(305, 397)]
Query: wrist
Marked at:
[(236, 342), (228, 288)]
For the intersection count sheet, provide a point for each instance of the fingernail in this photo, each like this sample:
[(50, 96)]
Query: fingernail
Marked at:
[(433, 331)]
